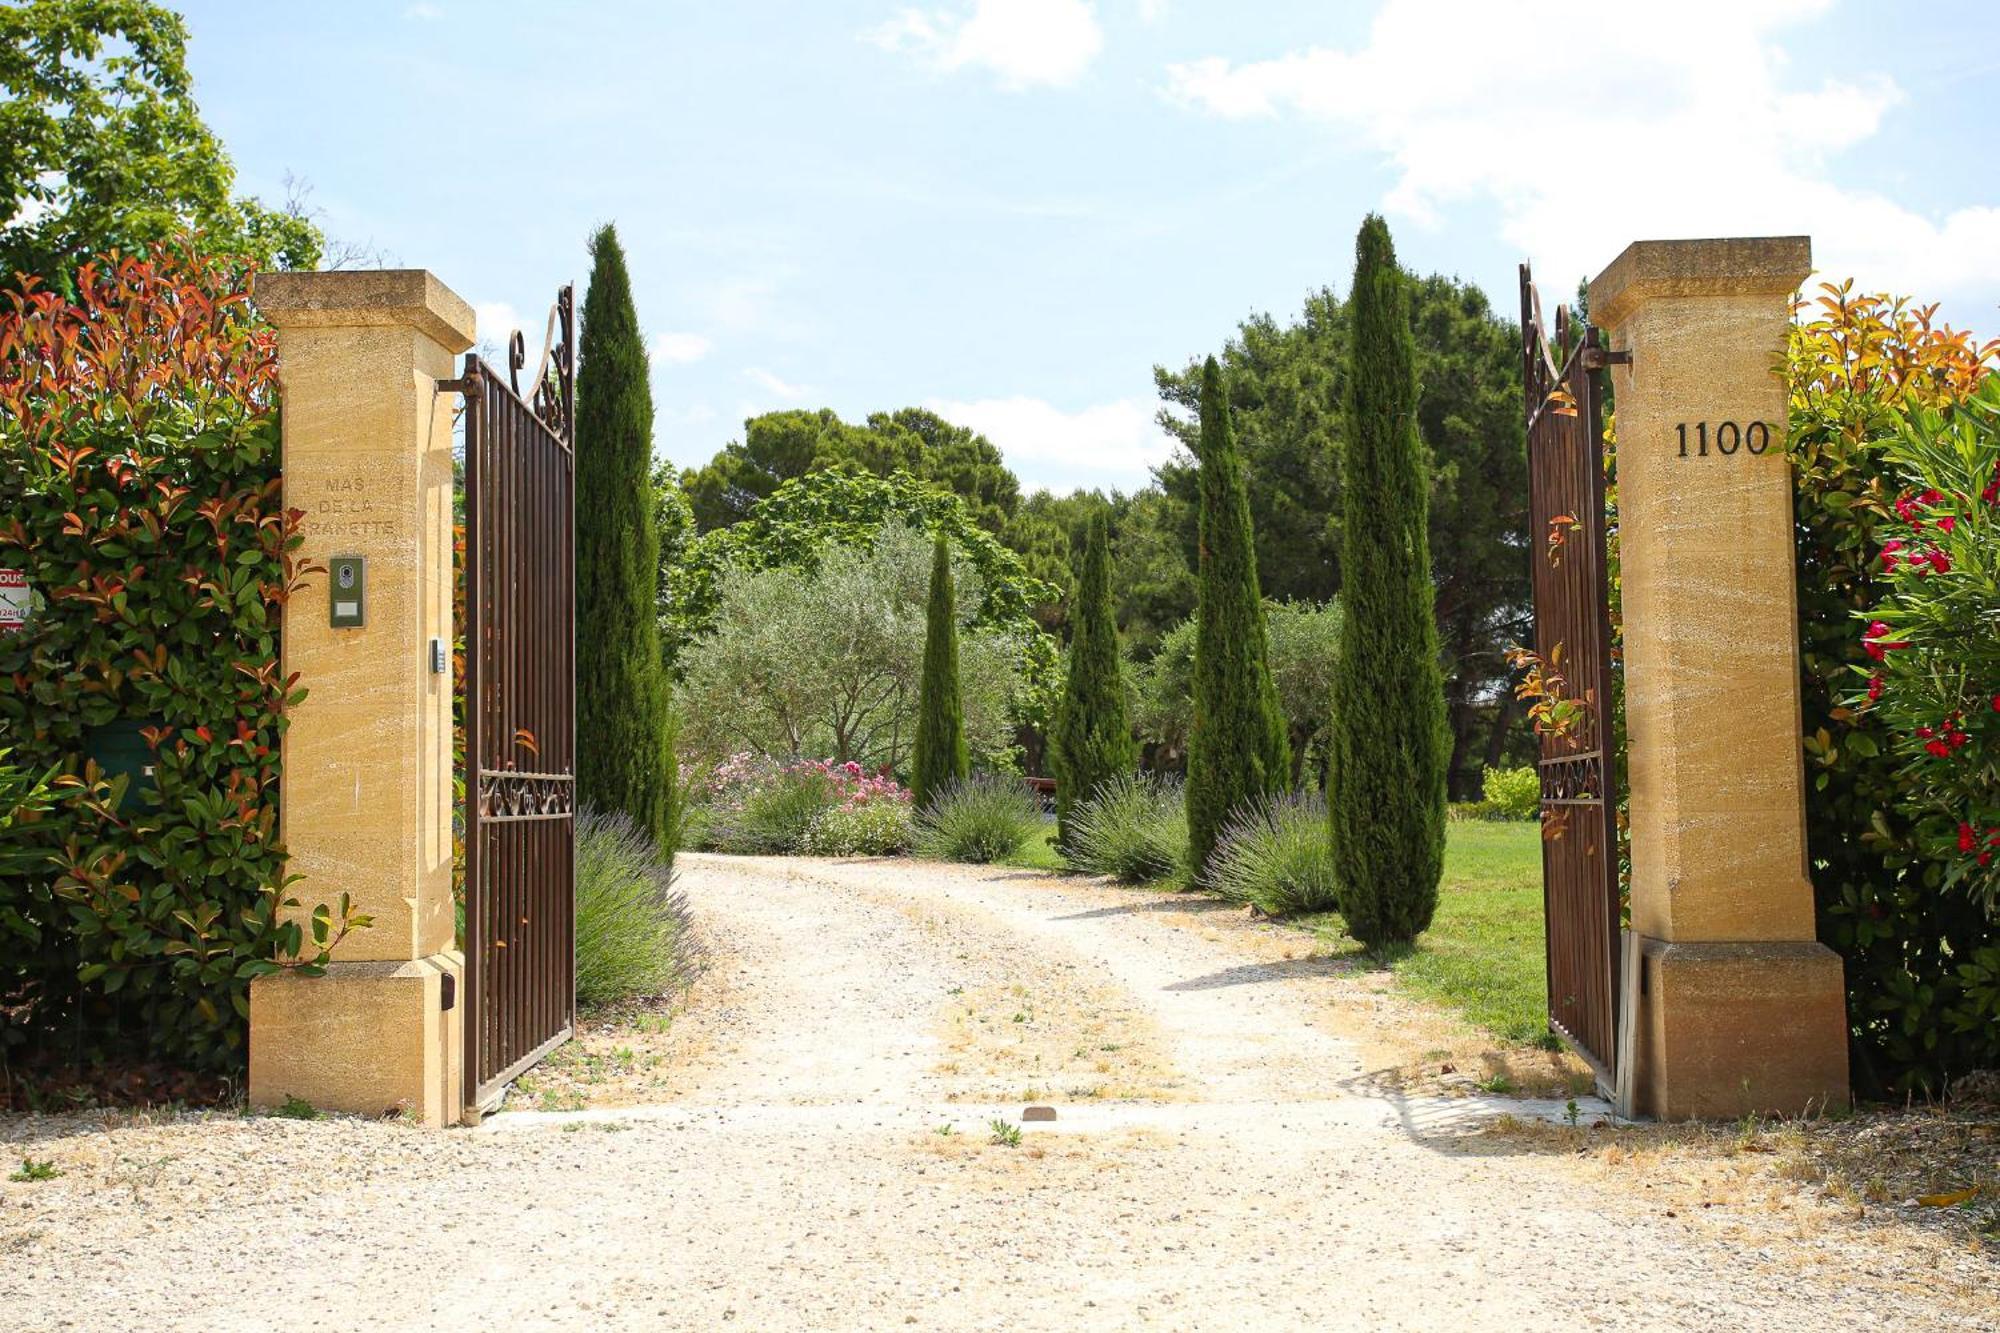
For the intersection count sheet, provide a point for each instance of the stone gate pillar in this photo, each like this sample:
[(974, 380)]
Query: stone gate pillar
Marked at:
[(1740, 1008), (367, 800)]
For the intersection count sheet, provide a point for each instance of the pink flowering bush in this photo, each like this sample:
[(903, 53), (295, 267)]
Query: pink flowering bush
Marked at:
[(1933, 642), (756, 805)]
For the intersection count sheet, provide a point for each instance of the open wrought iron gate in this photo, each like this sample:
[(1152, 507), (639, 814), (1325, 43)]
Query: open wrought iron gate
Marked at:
[(520, 711), (1573, 649)]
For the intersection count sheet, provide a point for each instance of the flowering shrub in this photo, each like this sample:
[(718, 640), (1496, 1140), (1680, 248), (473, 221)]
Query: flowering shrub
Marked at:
[(1934, 639), (139, 457), (816, 806), (1920, 1007), (882, 828)]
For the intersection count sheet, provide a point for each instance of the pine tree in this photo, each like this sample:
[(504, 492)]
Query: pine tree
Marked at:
[(622, 722), (1238, 751), (1093, 738), (1390, 746), (941, 757)]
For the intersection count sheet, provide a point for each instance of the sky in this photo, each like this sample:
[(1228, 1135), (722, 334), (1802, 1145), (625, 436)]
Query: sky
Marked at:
[(1010, 211)]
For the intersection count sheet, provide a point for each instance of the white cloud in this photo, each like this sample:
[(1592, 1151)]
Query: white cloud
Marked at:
[(678, 349), (423, 12), (1108, 444), (1025, 42), (1640, 122), (770, 383), (1150, 10)]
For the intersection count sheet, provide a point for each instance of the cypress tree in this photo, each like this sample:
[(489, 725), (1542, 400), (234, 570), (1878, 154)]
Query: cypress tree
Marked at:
[(941, 756), (1238, 751), (1093, 738), (1389, 743), (623, 727)]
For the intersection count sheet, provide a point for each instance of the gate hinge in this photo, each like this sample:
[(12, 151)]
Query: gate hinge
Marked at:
[(1597, 358), (465, 384)]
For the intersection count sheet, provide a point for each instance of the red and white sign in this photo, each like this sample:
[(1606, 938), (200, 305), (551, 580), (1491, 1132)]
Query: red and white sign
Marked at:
[(13, 600)]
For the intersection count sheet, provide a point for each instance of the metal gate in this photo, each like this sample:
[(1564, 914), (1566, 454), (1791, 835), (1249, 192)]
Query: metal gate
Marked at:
[(1572, 684), (520, 711)]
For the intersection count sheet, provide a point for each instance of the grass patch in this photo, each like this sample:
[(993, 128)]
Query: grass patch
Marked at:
[(1483, 953), (1039, 851)]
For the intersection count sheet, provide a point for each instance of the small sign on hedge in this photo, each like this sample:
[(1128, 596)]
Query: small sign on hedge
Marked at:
[(14, 600)]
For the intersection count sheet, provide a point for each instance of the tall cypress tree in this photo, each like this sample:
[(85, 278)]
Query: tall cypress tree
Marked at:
[(941, 755), (623, 729), (1390, 746), (1238, 751), (1093, 738)]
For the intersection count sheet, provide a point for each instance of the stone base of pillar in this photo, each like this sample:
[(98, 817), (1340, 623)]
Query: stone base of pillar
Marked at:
[(374, 1038), (1731, 1029)]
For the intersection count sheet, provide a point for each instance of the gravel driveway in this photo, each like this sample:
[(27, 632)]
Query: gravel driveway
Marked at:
[(1222, 1159)]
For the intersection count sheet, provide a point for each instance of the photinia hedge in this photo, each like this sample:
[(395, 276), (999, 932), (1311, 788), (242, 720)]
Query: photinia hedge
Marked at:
[(140, 497)]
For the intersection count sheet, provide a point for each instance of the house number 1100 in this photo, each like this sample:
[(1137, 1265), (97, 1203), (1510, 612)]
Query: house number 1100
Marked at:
[(1729, 437)]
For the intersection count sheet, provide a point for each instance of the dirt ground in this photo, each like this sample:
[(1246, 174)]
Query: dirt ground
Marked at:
[(1247, 1135)]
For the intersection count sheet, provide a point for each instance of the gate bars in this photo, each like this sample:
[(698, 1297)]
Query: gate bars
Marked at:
[(1573, 648), (520, 710)]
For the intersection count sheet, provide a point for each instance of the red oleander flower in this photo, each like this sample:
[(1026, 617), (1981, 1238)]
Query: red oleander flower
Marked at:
[(1938, 560), (1874, 642), (1938, 749), (1876, 684), (1967, 838)]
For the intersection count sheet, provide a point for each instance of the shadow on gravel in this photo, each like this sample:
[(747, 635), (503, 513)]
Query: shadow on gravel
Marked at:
[(1250, 974), (1191, 905)]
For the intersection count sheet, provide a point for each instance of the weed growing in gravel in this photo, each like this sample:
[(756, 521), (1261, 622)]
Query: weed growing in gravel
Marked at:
[(1499, 1085), (295, 1108), (945, 1131), (1006, 1135), (34, 1170)]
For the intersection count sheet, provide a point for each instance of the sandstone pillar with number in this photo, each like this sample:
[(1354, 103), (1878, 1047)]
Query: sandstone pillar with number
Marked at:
[(366, 805), (1740, 1009)]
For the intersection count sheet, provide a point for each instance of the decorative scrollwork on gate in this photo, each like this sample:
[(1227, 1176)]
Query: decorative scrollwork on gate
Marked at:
[(554, 380), (1573, 779), (509, 795)]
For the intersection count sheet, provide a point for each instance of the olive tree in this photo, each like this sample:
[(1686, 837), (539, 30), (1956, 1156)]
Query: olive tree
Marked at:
[(826, 661)]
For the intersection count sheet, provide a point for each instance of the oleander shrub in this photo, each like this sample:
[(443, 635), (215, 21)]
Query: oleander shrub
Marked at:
[(1921, 959), (1134, 828), (1278, 857), (771, 817), (982, 819), (1512, 793), (139, 459), (24, 798), (633, 939)]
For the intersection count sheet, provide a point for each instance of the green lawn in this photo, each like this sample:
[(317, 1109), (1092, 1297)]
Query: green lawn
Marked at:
[(1040, 852), (1483, 953)]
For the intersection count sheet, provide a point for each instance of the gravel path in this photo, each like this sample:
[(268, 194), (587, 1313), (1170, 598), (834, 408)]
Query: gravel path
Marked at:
[(1222, 1159)]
